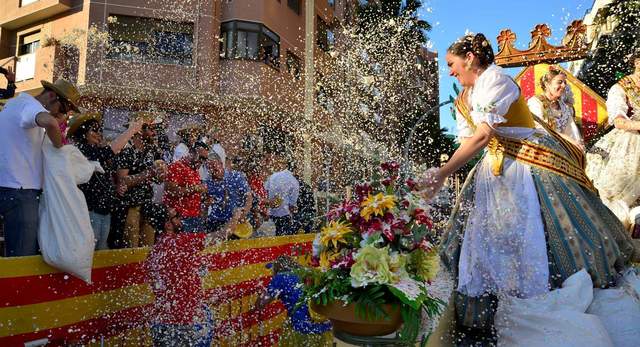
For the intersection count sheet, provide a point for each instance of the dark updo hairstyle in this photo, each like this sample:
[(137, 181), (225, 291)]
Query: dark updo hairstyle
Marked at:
[(549, 75), (476, 44), (79, 135), (632, 58)]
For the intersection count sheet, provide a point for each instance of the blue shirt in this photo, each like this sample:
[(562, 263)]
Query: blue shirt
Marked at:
[(285, 286), (227, 194)]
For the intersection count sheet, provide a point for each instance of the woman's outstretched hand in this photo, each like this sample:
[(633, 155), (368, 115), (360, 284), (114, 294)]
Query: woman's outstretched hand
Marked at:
[(429, 184)]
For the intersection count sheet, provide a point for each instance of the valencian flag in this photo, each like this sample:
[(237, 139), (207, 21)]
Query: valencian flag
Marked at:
[(591, 110)]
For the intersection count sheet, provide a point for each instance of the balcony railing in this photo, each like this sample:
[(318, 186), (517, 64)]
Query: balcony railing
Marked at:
[(15, 14)]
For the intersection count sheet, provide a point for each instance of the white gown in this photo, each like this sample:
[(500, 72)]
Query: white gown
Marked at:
[(504, 248), (614, 161)]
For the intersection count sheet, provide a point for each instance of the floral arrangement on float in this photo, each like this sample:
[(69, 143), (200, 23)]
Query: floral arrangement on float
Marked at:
[(373, 259)]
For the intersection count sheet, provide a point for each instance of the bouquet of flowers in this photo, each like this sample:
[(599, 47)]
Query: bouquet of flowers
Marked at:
[(375, 249)]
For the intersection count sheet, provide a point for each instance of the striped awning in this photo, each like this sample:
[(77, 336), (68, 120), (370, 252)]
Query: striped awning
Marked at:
[(591, 110)]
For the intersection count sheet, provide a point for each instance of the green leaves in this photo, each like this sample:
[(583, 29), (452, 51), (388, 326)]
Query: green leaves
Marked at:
[(369, 303)]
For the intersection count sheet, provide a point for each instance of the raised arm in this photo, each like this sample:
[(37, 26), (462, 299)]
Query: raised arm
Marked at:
[(51, 126)]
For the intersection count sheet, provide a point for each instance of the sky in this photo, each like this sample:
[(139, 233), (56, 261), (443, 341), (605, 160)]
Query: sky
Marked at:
[(451, 19)]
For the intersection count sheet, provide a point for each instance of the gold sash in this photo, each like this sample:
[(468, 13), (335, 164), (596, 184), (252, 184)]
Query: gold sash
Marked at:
[(632, 91), (527, 152)]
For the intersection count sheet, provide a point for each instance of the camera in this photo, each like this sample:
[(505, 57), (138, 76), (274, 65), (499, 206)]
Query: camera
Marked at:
[(3, 71)]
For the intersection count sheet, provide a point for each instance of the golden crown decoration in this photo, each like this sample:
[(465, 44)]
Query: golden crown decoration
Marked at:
[(574, 46)]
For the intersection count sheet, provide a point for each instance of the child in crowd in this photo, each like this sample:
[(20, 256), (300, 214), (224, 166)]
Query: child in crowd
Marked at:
[(178, 316)]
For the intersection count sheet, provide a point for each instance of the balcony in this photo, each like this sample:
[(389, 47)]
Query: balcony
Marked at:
[(15, 14)]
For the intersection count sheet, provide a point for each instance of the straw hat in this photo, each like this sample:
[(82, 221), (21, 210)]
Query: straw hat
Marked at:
[(79, 119), (243, 230), (66, 90), (192, 128), (147, 117)]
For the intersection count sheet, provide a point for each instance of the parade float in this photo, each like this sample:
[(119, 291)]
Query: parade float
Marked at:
[(590, 108)]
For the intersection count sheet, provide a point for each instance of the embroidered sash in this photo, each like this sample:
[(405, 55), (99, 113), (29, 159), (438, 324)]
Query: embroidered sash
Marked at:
[(533, 154)]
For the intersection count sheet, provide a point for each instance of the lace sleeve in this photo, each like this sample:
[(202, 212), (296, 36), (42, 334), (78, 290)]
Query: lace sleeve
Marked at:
[(617, 103)]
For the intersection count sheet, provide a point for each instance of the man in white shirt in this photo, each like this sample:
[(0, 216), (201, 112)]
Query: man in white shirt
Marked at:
[(283, 190), (24, 121)]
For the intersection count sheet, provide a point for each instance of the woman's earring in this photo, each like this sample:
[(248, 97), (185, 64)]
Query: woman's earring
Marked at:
[(468, 65)]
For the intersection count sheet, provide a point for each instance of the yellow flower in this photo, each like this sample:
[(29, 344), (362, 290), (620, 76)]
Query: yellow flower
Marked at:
[(375, 205), (427, 264), (334, 232), (326, 257)]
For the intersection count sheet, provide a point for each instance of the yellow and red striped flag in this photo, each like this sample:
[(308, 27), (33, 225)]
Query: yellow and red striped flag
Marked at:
[(591, 110)]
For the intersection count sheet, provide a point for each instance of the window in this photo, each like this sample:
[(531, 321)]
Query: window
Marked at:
[(326, 38), (294, 65), (248, 40), (294, 5), (27, 2), (150, 40), (29, 43)]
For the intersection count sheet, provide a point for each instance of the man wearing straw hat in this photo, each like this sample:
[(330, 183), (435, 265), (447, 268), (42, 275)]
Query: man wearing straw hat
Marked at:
[(24, 121), (137, 169)]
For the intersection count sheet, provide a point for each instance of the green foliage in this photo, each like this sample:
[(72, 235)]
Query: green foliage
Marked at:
[(411, 327), (610, 59), (369, 303)]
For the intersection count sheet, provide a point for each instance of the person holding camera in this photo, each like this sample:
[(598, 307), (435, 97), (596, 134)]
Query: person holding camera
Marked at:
[(10, 91)]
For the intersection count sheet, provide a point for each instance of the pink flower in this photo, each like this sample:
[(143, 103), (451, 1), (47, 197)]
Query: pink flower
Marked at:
[(425, 245), (390, 166), (344, 262), (422, 218), (345, 209), (362, 190)]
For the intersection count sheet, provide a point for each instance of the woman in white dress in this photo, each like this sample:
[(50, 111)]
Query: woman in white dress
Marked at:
[(527, 217), (614, 161), (555, 106)]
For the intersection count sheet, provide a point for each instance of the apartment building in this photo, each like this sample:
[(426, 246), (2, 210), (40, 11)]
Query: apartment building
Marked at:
[(235, 65)]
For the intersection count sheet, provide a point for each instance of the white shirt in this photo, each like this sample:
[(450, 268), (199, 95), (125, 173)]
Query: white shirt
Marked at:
[(490, 99), (180, 152), (617, 105), (284, 185), (21, 143)]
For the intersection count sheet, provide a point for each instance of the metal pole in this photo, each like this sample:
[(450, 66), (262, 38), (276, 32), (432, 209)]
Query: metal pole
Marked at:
[(407, 146), (309, 77)]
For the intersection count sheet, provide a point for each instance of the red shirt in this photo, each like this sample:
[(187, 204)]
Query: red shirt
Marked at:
[(257, 186), (182, 174), (173, 268)]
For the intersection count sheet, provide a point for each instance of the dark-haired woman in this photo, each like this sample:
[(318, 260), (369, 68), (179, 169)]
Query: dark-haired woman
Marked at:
[(86, 131), (527, 218), (555, 105), (614, 165)]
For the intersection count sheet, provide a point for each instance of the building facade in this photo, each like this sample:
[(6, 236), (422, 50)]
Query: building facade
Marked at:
[(235, 66)]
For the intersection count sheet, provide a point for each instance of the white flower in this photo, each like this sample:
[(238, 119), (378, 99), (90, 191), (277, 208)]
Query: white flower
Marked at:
[(411, 288)]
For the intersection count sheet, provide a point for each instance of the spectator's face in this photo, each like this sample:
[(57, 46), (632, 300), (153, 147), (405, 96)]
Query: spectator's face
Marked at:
[(199, 157), (94, 134), (216, 170), (173, 223)]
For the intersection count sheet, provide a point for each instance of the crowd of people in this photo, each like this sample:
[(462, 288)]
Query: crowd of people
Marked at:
[(227, 197)]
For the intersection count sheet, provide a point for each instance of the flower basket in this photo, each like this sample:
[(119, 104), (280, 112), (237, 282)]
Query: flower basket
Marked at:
[(373, 259), (345, 319)]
